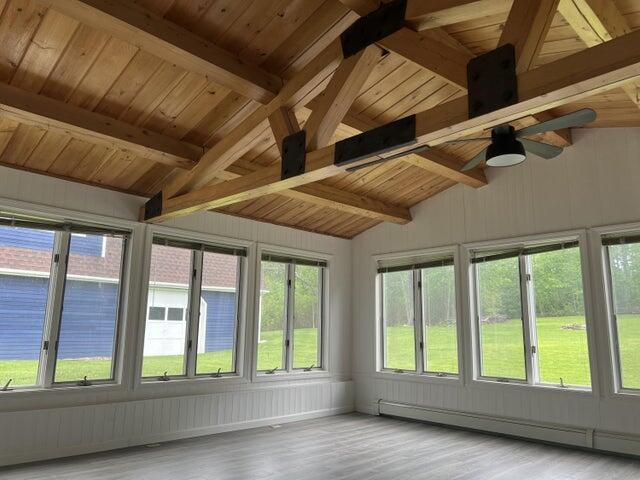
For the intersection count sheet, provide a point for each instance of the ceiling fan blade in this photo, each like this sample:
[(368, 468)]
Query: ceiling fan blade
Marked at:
[(475, 161), (573, 119), (543, 150)]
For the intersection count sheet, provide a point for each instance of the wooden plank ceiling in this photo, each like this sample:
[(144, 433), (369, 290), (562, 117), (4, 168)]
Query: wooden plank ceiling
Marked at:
[(51, 54)]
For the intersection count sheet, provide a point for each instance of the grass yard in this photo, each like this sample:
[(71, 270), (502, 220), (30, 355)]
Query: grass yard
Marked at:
[(561, 352), (24, 372)]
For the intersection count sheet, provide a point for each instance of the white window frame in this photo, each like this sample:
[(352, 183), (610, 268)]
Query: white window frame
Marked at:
[(289, 372), (530, 358), (57, 279), (419, 374), (192, 312), (608, 350)]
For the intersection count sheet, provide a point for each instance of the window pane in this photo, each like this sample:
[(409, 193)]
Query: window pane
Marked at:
[(307, 317), (560, 322), (156, 313), (272, 316), (624, 261), (164, 342), (90, 308), (175, 314), (217, 331), (25, 263), (397, 314), (500, 314), (439, 319)]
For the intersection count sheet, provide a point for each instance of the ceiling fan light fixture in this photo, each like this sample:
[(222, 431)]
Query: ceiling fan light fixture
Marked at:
[(505, 151)]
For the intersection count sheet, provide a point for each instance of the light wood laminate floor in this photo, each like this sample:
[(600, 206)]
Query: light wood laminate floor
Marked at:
[(342, 447)]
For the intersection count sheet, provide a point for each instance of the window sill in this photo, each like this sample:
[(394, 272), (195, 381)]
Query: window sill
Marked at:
[(226, 379), (36, 391), (295, 375), (573, 390), (418, 378)]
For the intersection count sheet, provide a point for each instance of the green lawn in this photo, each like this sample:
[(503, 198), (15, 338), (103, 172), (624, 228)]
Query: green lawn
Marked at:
[(561, 352), (23, 372)]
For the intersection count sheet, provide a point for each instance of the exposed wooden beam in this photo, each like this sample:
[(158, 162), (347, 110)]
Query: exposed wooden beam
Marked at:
[(423, 14), (428, 51), (307, 83), (564, 81), (327, 196), (595, 22), (127, 21), (283, 123), (435, 161), (54, 115), (333, 104), (526, 29)]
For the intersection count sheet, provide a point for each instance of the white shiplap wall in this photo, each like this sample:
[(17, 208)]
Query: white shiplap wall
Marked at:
[(47, 424), (595, 182)]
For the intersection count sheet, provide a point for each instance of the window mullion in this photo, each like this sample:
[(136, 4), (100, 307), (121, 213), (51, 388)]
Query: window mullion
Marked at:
[(54, 308), (421, 366), (195, 285), (527, 319), (288, 334)]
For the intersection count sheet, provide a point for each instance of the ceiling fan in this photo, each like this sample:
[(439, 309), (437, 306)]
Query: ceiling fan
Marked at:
[(508, 147)]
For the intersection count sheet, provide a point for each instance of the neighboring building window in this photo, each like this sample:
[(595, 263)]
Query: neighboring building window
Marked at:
[(192, 309), (418, 313), (60, 302), (530, 314), (622, 254), (291, 319)]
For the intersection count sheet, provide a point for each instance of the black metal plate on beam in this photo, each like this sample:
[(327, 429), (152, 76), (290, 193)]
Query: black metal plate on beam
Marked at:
[(492, 81), (293, 155), (377, 141), (378, 24), (153, 207)]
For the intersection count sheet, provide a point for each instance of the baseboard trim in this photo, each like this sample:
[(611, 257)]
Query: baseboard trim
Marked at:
[(74, 450), (545, 432)]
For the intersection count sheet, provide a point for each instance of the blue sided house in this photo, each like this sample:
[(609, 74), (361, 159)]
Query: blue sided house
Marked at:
[(90, 305)]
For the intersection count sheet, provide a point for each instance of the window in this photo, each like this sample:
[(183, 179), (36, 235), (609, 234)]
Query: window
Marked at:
[(192, 304), (291, 315), (530, 314), (418, 313), (60, 302), (622, 255)]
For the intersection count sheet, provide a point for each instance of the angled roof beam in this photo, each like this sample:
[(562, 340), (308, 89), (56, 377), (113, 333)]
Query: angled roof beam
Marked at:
[(330, 197), (54, 115), (166, 40), (334, 103), (576, 76), (422, 15), (595, 22), (428, 51), (307, 83), (526, 28)]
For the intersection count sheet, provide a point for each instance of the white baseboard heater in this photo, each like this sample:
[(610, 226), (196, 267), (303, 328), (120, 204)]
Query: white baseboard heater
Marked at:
[(574, 436)]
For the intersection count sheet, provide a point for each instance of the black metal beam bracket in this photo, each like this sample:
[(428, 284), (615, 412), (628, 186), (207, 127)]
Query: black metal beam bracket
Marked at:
[(380, 23), (492, 82), (293, 155), (374, 142), (153, 206)]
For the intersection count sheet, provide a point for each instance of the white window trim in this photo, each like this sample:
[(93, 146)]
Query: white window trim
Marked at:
[(126, 299), (325, 370), (239, 376), (608, 354), (418, 374), (473, 363)]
